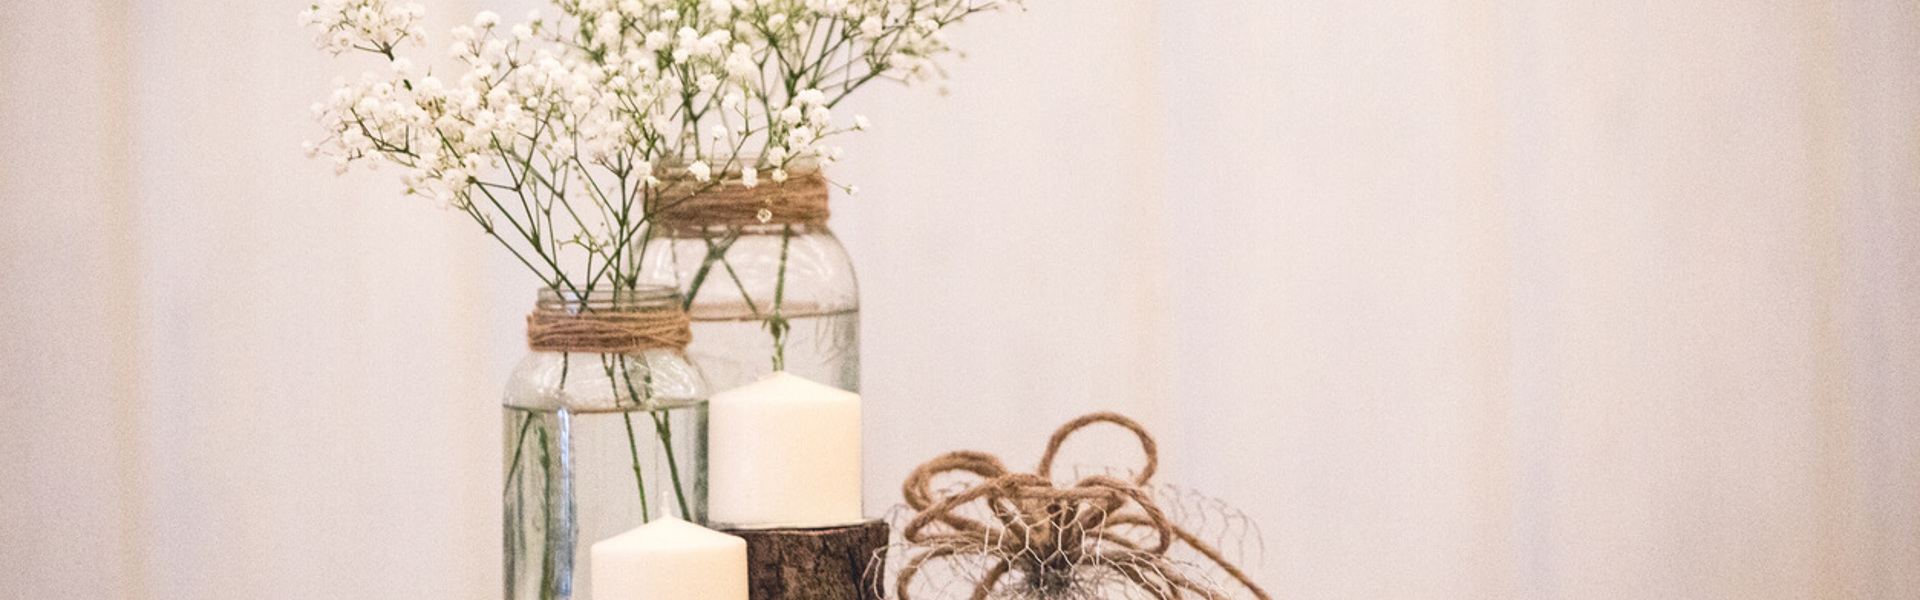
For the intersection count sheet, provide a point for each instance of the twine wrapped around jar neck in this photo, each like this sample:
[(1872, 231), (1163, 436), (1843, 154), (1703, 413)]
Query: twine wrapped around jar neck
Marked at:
[(800, 200), (624, 324)]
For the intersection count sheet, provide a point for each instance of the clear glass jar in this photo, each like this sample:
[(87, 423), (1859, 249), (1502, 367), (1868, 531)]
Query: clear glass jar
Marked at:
[(597, 444), (764, 297)]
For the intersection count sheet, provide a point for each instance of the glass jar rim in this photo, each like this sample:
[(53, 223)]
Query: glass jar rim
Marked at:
[(634, 299), (676, 167)]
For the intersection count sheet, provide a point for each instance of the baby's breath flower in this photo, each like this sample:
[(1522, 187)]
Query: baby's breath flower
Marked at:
[(374, 25), (603, 91)]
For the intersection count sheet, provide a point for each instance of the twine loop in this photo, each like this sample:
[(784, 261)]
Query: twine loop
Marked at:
[(1045, 533), (608, 331), (801, 200)]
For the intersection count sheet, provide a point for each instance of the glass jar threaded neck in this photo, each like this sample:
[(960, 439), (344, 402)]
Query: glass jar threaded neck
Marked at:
[(646, 298)]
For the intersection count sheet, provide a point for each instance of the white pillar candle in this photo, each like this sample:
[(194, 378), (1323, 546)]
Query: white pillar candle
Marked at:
[(670, 559), (784, 452)]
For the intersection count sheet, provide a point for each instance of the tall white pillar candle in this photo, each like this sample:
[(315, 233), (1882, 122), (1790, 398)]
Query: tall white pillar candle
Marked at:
[(783, 452), (670, 559)]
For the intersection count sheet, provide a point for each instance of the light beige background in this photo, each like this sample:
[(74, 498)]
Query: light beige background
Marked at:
[(1459, 299)]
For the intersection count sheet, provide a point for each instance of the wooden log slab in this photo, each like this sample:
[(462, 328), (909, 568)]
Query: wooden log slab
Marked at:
[(816, 564)]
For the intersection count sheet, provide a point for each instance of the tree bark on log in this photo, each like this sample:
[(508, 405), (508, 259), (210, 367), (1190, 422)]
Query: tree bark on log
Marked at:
[(816, 564)]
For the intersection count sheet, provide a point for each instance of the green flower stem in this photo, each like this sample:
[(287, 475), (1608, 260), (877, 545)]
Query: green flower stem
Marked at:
[(777, 321), (546, 512), (639, 480), (714, 254), (519, 444), (774, 320), (664, 428), (611, 362)]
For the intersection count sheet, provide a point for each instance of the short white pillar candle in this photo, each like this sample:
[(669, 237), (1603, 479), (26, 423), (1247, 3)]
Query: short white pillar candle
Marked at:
[(670, 559), (784, 452)]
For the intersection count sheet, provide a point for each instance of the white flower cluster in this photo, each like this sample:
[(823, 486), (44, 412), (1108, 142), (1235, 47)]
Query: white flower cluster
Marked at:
[(591, 109), (371, 25)]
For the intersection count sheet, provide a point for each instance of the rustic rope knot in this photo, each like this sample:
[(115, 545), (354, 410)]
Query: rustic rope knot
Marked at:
[(1055, 541)]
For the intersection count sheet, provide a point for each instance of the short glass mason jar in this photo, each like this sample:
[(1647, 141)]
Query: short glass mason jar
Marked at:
[(768, 292), (597, 444)]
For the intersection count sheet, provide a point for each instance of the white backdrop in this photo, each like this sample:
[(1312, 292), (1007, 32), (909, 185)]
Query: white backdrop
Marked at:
[(1458, 299)]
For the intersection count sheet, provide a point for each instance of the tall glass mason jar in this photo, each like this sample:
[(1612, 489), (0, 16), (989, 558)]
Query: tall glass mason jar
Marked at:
[(605, 430), (768, 286)]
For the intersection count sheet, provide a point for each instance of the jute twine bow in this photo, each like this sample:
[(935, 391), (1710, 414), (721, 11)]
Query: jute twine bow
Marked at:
[(801, 200), (1046, 533), (607, 331)]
